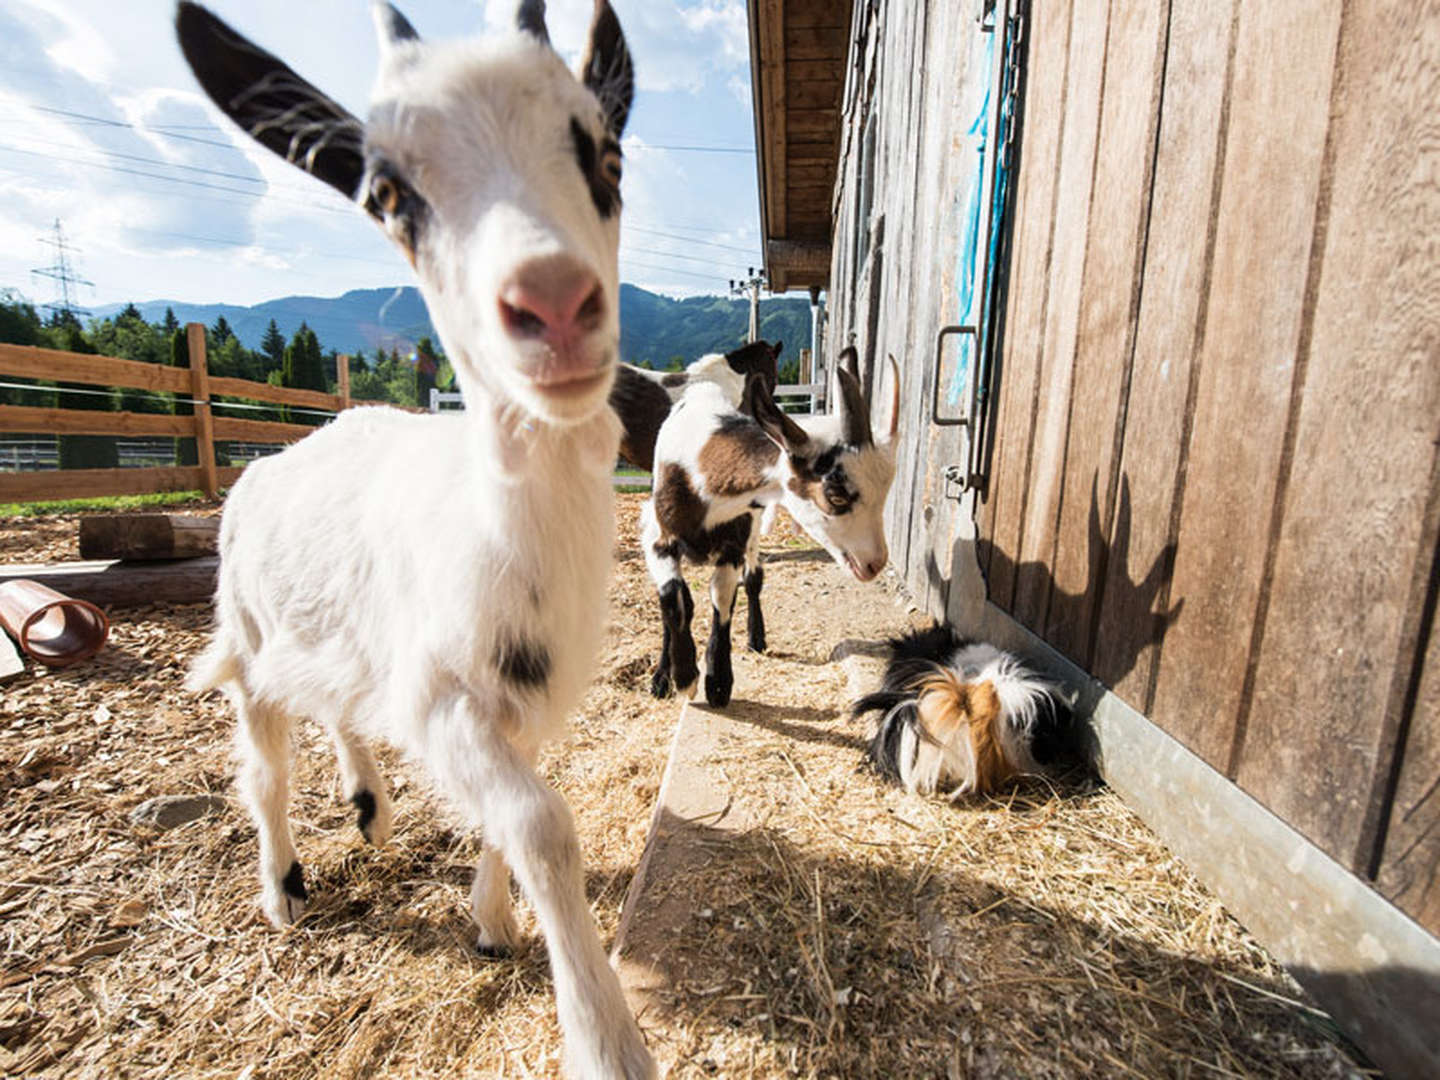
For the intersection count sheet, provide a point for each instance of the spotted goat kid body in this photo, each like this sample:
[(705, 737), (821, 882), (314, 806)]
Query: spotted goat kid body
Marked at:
[(963, 716), (716, 468), (440, 581)]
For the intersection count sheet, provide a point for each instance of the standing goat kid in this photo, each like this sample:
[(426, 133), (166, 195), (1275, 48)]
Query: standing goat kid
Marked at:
[(440, 581), (716, 469)]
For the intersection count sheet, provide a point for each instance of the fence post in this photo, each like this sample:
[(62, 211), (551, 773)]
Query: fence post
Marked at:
[(342, 380), (200, 394)]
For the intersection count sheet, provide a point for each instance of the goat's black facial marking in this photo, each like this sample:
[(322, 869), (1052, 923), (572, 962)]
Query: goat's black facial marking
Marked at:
[(522, 663), (364, 803), (397, 206), (294, 882), (600, 166)]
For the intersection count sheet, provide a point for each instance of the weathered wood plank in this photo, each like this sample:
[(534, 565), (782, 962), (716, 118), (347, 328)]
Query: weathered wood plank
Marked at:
[(204, 420), (815, 42), (818, 123), (29, 362), (261, 431), (1278, 114), (12, 666), (1062, 314), (774, 108), (1365, 442), (108, 583), (827, 71), (816, 13), (812, 95), (281, 395), (1134, 604), (23, 418), (1039, 163), (1109, 299), (1409, 871), (88, 483), (148, 536)]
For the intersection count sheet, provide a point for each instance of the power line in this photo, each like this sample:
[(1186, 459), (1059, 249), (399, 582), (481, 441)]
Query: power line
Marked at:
[(688, 240)]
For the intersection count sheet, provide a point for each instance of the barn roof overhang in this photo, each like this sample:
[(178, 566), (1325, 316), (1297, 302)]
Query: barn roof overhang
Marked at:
[(798, 50)]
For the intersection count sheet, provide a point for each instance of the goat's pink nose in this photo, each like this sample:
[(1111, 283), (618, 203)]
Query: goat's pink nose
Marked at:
[(554, 299)]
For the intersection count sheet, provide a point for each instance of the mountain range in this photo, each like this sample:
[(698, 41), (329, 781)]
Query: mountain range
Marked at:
[(654, 329)]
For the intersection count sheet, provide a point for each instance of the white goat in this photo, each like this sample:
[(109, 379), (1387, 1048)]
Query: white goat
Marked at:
[(440, 581), (716, 469)]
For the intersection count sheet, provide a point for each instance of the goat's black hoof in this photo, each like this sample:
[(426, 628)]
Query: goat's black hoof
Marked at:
[(756, 643), (364, 803), (294, 883), (717, 691), (660, 684), (494, 952), (686, 677)]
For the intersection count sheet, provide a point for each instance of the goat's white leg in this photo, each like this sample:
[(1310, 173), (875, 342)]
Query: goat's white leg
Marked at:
[(262, 739), (754, 581), (362, 784), (677, 668), (531, 826), (719, 675), (491, 907)]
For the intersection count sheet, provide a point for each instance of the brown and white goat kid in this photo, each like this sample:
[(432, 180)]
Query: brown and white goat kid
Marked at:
[(643, 398), (440, 581), (963, 715), (716, 468)]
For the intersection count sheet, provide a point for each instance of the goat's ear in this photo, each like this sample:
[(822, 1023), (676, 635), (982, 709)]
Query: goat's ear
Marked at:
[(894, 399), (531, 19), (854, 412), (777, 349), (607, 69), (278, 108), (391, 28), (757, 402)]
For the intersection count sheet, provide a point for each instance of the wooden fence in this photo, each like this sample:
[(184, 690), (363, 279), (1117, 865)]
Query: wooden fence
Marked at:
[(195, 386)]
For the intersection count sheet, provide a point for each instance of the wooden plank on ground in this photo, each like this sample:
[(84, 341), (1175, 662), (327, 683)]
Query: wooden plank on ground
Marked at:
[(148, 536), (1109, 301), (1278, 113), (1134, 604), (28, 362), (90, 483), (1062, 313), (1014, 404), (1365, 439), (12, 666), (22, 418), (109, 583)]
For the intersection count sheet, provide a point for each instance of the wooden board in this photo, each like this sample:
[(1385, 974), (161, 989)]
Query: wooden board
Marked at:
[(1409, 870), (22, 418), (107, 583), (88, 483), (1109, 299), (254, 391), (12, 665), (29, 362), (260, 431), (1015, 401), (1364, 451), (815, 42), (1278, 113), (1135, 605), (1062, 314), (148, 536)]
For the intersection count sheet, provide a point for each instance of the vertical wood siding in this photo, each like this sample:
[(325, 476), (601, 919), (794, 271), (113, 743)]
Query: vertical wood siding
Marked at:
[(1215, 460)]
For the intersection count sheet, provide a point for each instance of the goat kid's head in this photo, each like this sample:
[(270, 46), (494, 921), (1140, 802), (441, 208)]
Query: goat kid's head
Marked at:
[(492, 168), (839, 475)]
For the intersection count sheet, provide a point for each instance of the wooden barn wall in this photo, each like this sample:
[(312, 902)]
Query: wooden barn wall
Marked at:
[(1215, 469)]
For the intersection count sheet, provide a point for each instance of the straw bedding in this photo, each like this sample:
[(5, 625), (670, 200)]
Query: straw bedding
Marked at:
[(855, 930)]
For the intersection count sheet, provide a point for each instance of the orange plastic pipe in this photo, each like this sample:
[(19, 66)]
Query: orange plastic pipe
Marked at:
[(55, 629)]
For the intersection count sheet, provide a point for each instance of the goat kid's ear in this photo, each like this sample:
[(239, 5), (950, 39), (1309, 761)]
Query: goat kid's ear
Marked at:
[(607, 68), (894, 399), (531, 19), (785, 432), (854, 412), (278, 108), (391, 28)]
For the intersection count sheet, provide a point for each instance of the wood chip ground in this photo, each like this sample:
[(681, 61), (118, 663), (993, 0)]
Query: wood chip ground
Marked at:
[(847, 930)]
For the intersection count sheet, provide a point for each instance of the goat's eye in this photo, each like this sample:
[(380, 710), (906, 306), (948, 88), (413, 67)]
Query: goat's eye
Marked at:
[(385, 192), (610, 167)]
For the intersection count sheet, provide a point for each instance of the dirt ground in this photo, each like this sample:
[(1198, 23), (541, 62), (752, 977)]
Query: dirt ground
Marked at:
[(849, 930)]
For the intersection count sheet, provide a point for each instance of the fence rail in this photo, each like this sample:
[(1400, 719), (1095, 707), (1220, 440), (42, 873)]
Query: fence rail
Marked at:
[(195, 386)]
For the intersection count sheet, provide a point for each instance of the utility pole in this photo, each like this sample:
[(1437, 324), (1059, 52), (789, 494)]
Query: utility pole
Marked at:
[(750, 285), (63, 274)]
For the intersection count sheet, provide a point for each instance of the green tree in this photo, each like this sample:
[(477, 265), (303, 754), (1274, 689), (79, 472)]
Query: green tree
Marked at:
[(84, 451), (304, 369), (221, 331), (273, 345), (20, 325), (427, 367), (185, 452), (170, 323)]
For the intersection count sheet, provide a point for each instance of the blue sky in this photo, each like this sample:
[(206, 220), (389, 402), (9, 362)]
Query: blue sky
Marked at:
[(102, 126)]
